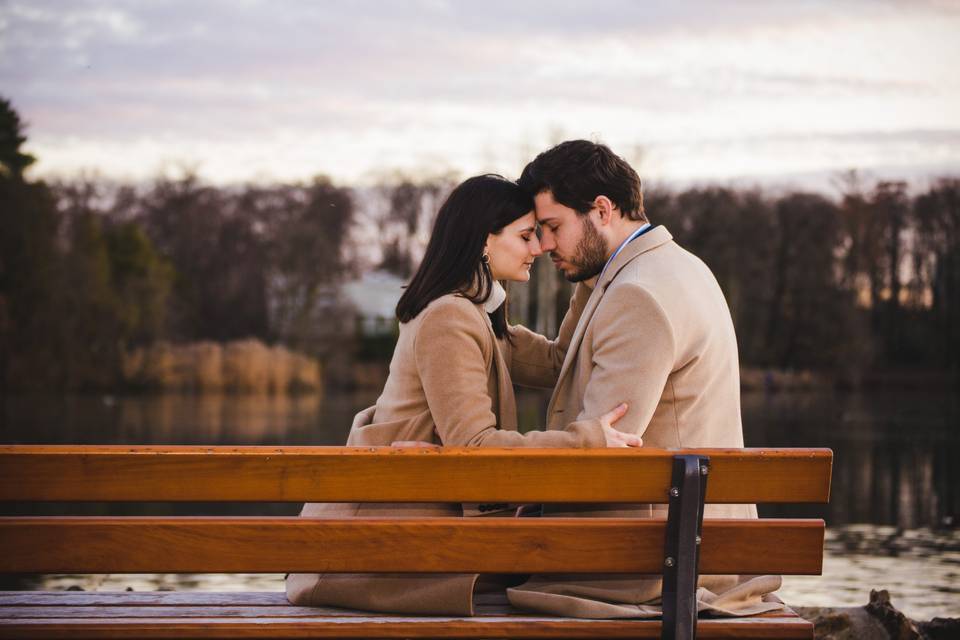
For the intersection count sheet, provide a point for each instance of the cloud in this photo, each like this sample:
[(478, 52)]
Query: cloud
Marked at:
[(253, 87)]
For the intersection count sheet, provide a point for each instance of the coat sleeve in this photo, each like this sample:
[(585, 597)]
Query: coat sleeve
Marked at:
[(535, 361), (452, 350), (633, 355)]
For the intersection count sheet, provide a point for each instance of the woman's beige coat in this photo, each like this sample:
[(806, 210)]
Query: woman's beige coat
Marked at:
[(450, 383)]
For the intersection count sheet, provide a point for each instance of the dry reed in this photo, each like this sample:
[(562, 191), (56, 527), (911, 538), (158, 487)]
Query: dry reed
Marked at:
[(243, 366)]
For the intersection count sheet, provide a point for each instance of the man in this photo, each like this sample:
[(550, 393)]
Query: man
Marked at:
[(657, 334)]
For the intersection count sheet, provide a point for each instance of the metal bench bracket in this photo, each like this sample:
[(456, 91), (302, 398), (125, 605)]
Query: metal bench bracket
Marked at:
[(682, 548)]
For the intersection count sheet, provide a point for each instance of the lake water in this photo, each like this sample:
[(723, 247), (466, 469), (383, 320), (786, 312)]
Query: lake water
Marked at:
[(892, 520)]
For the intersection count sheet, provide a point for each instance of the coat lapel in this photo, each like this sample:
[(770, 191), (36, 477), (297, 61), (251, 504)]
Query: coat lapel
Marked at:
[(649, 240), (507, 416), (570, 357), (506, 408)]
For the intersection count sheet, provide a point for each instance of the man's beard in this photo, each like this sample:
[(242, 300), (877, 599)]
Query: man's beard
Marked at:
[(591, 254)]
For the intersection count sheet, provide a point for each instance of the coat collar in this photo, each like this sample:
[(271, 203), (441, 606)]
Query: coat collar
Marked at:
[(652, 239)]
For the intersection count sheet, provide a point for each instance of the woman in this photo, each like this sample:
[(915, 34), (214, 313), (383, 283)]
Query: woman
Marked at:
[(451, 381)]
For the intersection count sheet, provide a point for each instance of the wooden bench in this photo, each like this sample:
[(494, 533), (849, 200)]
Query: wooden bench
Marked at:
[(141, 544)]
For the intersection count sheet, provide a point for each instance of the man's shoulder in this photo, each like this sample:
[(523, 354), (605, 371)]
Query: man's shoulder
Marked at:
[(668, 280), (668, 269), (668, 253), (631, 302)]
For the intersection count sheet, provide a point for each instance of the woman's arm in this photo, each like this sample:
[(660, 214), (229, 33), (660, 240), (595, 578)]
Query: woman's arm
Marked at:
[(452, 349), (535, 361)]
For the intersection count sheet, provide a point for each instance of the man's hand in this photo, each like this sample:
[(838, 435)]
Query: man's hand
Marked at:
[(614, 437)]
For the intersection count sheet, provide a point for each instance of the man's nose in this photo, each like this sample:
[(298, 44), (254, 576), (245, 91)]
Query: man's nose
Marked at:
[(547, 242)]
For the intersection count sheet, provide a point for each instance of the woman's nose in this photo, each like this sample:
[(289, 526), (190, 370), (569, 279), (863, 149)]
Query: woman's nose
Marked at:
[(535, 248)]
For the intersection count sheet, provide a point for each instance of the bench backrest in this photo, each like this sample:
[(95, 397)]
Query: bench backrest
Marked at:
[(100, 544)]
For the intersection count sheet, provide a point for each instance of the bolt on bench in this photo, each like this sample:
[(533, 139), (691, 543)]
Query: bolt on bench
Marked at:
[(678, 548)]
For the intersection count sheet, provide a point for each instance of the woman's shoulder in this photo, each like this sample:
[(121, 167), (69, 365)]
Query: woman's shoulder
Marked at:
[(451, 304), (452, 318)]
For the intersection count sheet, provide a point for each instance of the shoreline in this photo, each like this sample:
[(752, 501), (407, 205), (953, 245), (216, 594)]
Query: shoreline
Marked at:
[(904, 379), (879, 618)]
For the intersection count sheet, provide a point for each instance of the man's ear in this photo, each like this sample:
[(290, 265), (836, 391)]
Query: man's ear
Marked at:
[(605, 208)]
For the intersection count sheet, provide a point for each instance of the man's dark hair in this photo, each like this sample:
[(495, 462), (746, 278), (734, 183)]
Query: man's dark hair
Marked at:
[(577, 171)]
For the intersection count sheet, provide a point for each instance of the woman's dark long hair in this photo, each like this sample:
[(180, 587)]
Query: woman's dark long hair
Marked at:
[(452, 262)]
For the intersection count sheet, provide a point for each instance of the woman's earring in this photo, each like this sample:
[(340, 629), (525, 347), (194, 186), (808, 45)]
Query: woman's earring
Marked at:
[(485, 259)]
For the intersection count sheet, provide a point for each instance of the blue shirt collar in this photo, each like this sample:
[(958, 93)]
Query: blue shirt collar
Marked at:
[(633, 236)]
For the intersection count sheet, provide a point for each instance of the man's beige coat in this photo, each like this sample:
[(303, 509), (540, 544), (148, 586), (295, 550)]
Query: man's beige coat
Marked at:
[(450, 383), (657, 333)]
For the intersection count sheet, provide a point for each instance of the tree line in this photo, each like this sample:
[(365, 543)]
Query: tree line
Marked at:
[(871, 280), (91, 271)]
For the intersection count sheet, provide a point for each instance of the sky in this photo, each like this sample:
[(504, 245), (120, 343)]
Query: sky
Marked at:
[(283, 90)]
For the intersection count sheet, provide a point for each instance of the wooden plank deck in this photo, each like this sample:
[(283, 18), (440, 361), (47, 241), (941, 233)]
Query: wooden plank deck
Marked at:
[(219, 615)]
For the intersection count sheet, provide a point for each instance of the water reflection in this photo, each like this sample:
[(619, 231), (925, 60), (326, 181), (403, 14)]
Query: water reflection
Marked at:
[(181, 419), (894, 453)]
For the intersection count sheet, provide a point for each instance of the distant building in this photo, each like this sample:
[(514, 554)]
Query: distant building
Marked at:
[(373, 299), (328, 319)]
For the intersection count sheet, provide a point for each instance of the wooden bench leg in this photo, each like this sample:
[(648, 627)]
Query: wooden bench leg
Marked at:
[(682, 547)]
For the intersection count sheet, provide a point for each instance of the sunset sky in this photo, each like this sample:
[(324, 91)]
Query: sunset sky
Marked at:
[(695, 91)]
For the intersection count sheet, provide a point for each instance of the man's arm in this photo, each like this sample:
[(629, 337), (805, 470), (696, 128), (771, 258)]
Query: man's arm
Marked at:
[(535, 361), (633, 356)]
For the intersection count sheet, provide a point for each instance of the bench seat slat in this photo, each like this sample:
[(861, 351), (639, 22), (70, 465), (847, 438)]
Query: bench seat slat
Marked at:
[(142, 598), (158, 611), (487, 545), (335, 623), (171, 598), (341, 474)]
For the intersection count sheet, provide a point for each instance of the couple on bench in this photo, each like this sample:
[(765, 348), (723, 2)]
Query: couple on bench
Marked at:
[(646, 350)]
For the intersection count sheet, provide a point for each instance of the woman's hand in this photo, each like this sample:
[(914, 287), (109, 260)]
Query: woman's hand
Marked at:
[(413, 444), (614, 437)]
